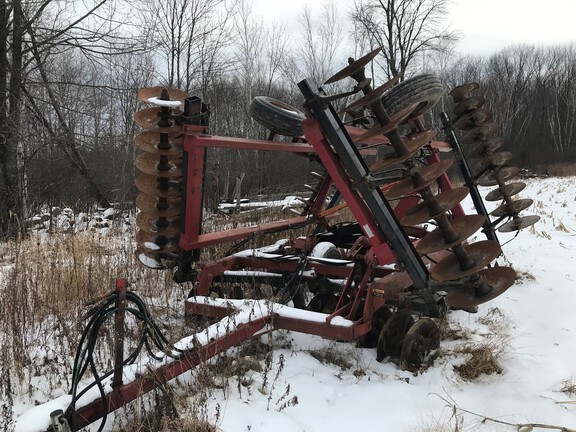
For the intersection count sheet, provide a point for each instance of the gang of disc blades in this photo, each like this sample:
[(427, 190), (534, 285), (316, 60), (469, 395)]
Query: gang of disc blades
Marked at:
[(367, 99), (446, 200), (150, 164), (485, 148), (429, 173), (150, 142), (157, 225), (353, 67), (513, 208), (501, 174), (473, 119), (464, 226), (148, 119), (492, 161), (412, 146), (151, 185), (484, 132), (499, 279), (518, 223), (481, 253), (160, 207), (506, 191), (463, 91), (154, 93), (470, 104), (155, 243), (395, 120)]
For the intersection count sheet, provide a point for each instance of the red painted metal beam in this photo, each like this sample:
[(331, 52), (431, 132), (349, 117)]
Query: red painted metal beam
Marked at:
[(126, 393)]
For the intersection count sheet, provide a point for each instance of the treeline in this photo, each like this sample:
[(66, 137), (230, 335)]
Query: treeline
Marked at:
[(532, 92), (70, 87)]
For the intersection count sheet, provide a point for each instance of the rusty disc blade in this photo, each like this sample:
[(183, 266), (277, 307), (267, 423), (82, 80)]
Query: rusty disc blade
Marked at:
[(159, 144), (148, 119), (156, 243), (151, 260), (498, 279), (506, 191), (152, 165), (367, 99), (446, 200), (158, 206), (355, 66), (428, 174), (463, 91), (481, 253), (464, 226), (153, 224), (151, 185), (395, 120), (392, 334), (485, 148), (484, 132), (492, 161), (154, 94), (468, 105), (513, 208), (412, 146), (420, 340), (500, 174), (518, 223), (474, 119)]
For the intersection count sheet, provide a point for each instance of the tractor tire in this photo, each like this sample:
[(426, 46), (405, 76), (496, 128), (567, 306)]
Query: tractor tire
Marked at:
[(278, 117), (424, 90)]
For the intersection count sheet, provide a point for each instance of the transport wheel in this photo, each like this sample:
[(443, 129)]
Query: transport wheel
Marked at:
[(424, 90), (278, 117)]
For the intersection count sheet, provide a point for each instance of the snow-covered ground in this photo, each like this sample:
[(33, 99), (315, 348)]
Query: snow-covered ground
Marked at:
[(533, 326)]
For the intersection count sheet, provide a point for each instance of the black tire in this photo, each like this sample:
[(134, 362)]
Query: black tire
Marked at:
[(278, 117), (425, 90)]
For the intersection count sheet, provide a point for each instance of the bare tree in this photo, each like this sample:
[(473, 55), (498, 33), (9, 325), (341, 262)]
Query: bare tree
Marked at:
[(189, 35), (320, 39), (403, 28)]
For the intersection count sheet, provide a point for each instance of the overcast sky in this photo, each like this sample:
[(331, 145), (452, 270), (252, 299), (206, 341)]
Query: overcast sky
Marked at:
[(486, 26)]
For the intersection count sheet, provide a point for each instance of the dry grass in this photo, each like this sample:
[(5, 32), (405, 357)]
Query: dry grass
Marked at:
[(569, 386), (560, 169), (332, 355), (483, 358)]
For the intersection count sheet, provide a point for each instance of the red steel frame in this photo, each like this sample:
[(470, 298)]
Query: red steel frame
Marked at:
[(351, 298)]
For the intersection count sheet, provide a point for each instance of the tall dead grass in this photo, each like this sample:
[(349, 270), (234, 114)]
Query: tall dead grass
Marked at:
[(46, 284)]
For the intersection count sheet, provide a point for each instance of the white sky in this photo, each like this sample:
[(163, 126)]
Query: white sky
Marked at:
[(486, 26)]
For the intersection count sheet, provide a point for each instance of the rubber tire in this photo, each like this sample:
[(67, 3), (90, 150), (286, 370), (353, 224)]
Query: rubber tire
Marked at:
[(277, 116), (425, 90)]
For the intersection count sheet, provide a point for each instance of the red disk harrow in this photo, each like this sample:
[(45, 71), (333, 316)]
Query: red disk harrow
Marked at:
[(381, 279)]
